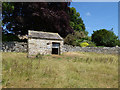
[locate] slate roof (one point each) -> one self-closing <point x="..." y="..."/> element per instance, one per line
<point x="44" y="35"/>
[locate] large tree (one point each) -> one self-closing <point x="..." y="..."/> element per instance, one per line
<point x="104" y="37"/>
<point x="19" y="17"/>
<point x="76" y="21"/>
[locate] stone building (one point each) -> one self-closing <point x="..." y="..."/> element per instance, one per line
<point x="44" y="43"/>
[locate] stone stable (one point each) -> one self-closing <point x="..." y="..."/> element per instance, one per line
<point x="44" y="43"/>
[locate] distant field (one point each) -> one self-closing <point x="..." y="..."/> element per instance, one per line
<point x="70" y="70"/>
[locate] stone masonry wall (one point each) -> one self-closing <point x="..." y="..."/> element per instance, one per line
<point x="14" y="47"/>
<point x="23" y="47"/>
<point x="105" y="50"/>
<point x="41" y="46"/>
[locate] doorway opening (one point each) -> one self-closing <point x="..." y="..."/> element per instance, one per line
<point x="56" y="48"/>
<point x="55" y="51"/>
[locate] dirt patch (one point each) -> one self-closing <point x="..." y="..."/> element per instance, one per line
<point x="56" y="56"/>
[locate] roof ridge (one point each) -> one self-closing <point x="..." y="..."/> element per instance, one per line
<point x="43" y="32"/>
<point x="44" y="35"/>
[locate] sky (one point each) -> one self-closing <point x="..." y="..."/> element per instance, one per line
<point x="98" y="15"/>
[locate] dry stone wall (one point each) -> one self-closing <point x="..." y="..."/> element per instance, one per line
<point x="14" y="47"/>
<point x="23" y="47"/>
<point x="106" y="50"/>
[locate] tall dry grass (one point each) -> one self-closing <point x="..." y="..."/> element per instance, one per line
<point x="69" y="70"/>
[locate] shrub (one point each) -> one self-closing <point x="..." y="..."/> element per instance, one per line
<point x="40" y="56"/>
<point x="69" y="39"/>
<point x="78" y="37"/>
<point x="104" y="37"/>
<point x="91" y="44"/>
<point x="118" y="43"/>
<point x="84" y="44"/>
<point x="75" y="39"/>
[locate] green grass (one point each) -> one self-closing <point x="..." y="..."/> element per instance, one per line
<point x="69" y="70"/>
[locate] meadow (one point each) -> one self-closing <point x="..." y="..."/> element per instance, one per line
<point x="69" y="70"/>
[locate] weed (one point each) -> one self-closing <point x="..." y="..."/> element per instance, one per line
<point x="40" y="56"/>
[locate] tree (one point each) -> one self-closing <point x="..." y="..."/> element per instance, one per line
<point x="76" y="21"/>
<point x="9" y="37"/>
<point x="19" y="17"/>
<point x="75" y="38"/>
<point x="104" y="37"/>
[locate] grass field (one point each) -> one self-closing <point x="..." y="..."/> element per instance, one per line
<point x="70" y="70"/>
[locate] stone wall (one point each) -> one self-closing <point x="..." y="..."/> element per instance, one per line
<point x="23" y="47"/>
<point x="42" y="46"/>
<point x="106" y="50"/>
<point x="14" y="47"/>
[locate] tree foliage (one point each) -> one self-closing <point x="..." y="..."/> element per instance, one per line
<point x="75" y="38"/>
<point x="9" y="37"/>
<point x="104" y="37"/>
<point x="76" y="21"/>
<point x="118" y="43"/>
<point x="19" y="17"/>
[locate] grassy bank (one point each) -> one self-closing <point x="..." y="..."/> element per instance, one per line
<point x="70" y="70"/>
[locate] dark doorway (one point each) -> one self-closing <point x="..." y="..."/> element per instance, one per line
<point x="55" y="51"/>
<point x="55" y="48"/>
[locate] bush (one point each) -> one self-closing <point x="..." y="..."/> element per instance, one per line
<point x="40" y="56"/>
<point x="75" y="39"/>
<point x="104" y="37"/>
<point x="118" y="43"/>
<point x="91" y="44"/>
<point x="69" y="39"/>
<point x="84" y="44"/>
